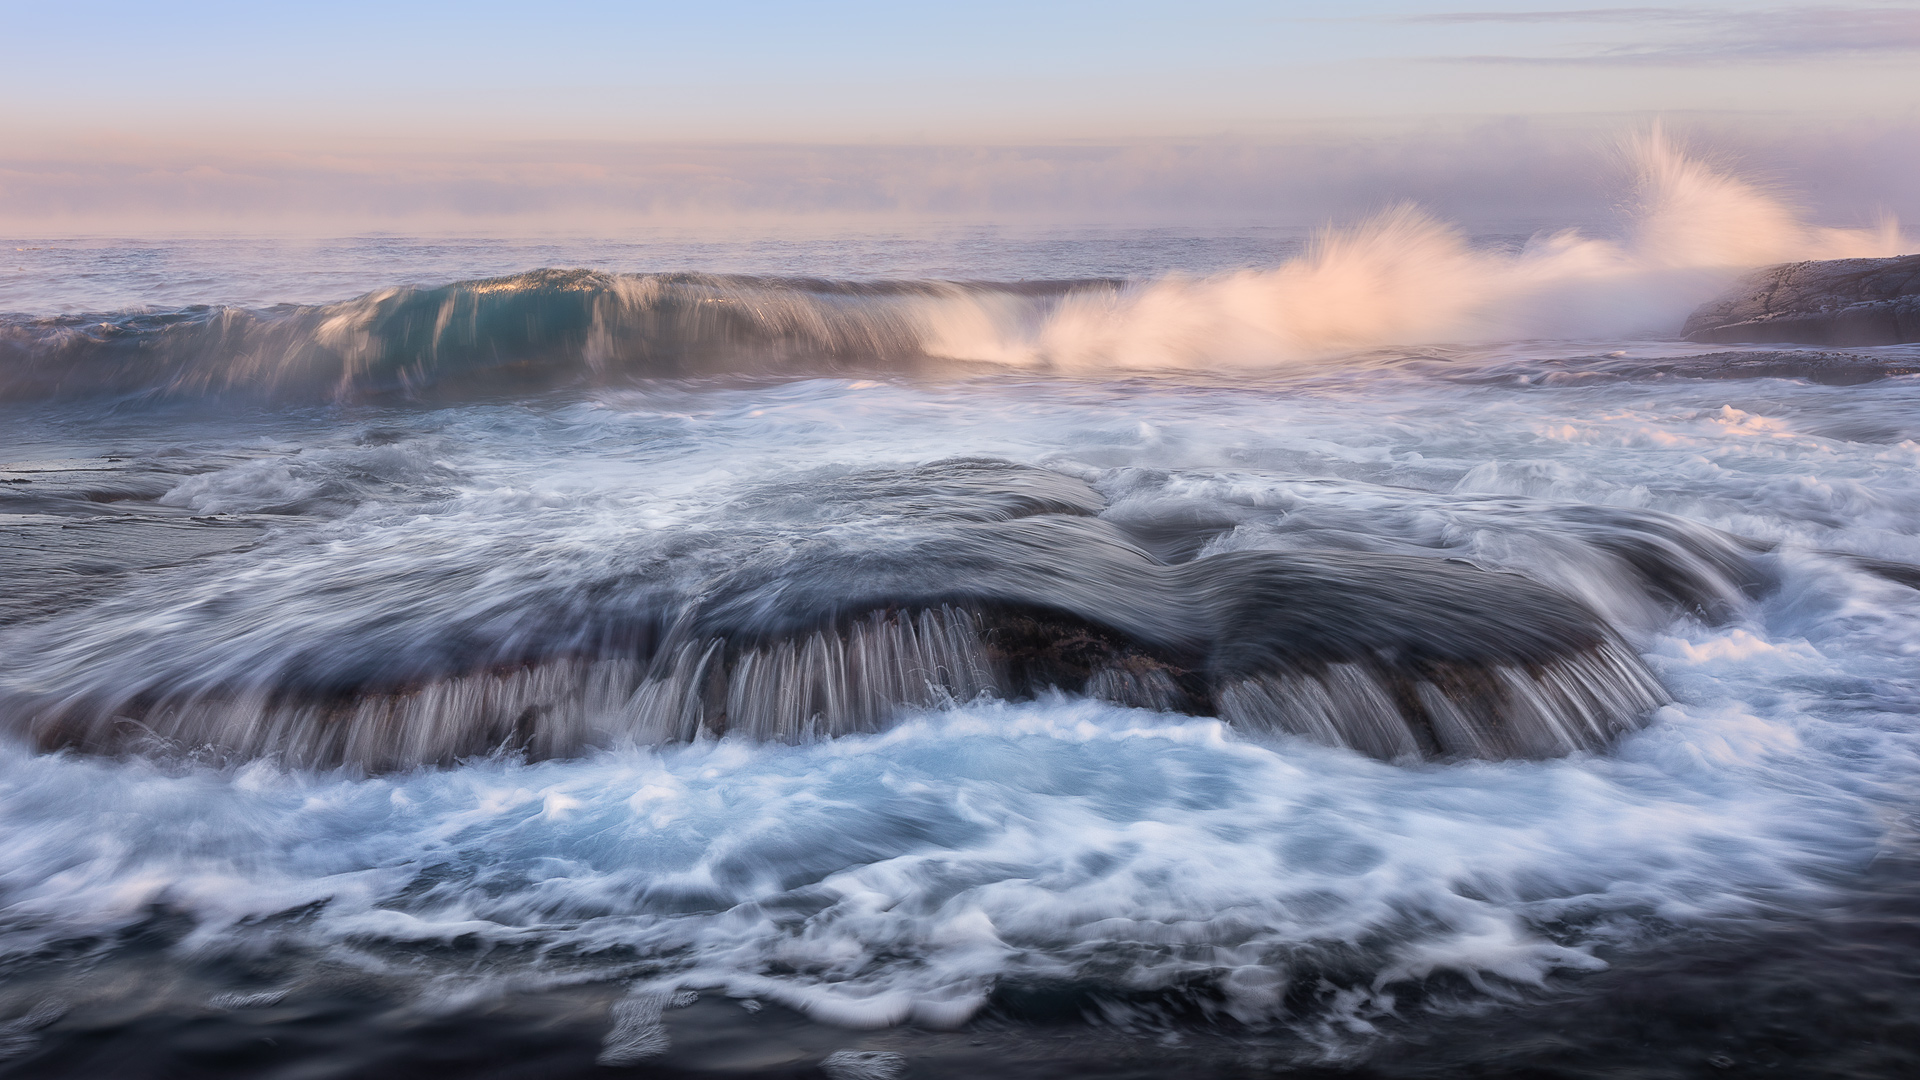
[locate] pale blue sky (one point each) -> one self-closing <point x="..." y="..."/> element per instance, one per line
<point x="985" y="70"/>
<point x="574" y="113"/>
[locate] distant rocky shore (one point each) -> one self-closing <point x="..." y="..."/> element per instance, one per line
<point x="1837" y="302"/>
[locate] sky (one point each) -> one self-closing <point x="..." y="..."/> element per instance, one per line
<point x="210" y="116"/>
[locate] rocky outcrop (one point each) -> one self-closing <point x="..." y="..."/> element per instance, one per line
<point x="1838" y="302"/>
<point x="927" y="586"/>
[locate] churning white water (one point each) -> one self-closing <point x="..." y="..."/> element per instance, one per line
<point x="911" y="873"/>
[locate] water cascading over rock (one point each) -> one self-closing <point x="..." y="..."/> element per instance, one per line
<point x="964" y="579"/>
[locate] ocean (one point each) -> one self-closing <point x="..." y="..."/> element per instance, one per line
<point x="1386" y="652"/>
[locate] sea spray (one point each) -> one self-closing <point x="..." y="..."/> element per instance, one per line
<point x="1400" y="279"/>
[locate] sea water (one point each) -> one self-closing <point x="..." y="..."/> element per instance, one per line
<point x="351" y="461"/>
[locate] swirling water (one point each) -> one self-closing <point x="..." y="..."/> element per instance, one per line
<point x="1035" y="883"/>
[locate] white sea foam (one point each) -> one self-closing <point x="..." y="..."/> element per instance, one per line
<point x="880" y="879"/>
<point x="1405" y="278"/>
<point x="905" y="875"/>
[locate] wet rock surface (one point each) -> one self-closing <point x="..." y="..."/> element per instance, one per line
<point x="857" y="598"/>
<point x="1845" y="302"/>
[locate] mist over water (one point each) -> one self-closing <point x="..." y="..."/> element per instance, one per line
<point x="1400" y="279"/>
<point x="1405" y="278"/>
<point x="1360" y="658"/>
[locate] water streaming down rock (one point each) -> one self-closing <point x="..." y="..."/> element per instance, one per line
<point x="820" y="685"/>
<point x="573" y="570"/>
<point x="828" y="682"/>
<point x="963" y="579"/>
<point x="857" y="680"/>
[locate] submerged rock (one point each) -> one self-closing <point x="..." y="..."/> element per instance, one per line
<point x="906" y="590"/>
<point x="1836" y="302"/>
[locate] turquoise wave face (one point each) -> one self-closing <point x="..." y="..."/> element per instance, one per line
<point x="545" y="329"/>
<point x="1085" y="853"/>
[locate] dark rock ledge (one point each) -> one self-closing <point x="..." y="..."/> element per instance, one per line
<point x="1838" y="302"/>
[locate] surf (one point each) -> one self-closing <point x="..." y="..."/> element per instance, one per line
<point x="1402" y="279"/>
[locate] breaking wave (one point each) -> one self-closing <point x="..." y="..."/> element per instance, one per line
<point x="1402" y="278"/>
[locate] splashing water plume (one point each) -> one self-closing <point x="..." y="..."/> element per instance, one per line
<point x="1402" y="279"/>
<point x="762" y="676"/>
<point x="1405" y="278"/>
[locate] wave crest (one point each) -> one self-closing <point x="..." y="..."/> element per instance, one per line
<point x="1402" y="278"/>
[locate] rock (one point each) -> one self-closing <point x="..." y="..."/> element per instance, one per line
<point x="1837" y="302"/>
<point x="836" y="603"/>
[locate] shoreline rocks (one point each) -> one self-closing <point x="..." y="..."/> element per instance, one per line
<point x="1848" y="302"/>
